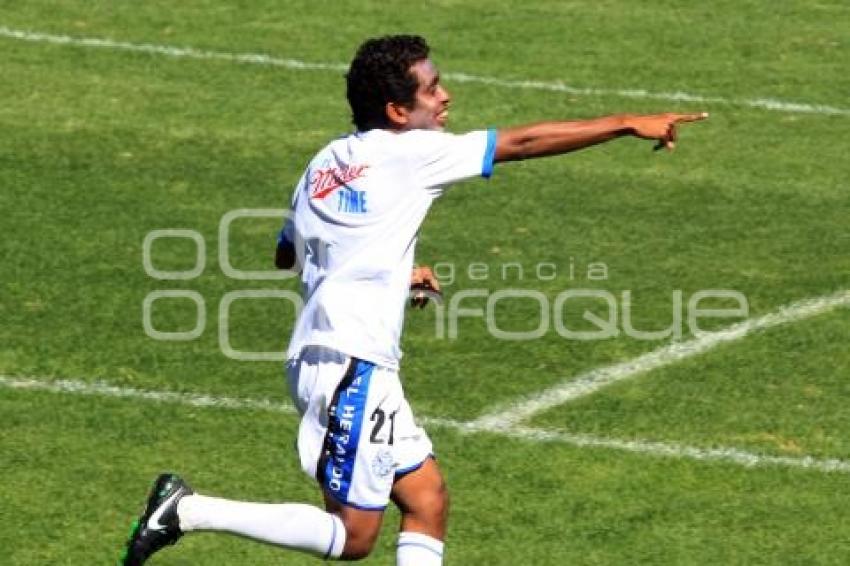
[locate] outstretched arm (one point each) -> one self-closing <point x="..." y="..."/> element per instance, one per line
<point x="554" y="138"/>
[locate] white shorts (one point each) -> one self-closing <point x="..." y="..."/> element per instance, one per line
<point x="357" y="433"/>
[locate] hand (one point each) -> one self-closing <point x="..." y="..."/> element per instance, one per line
<point x="424" y="285"/>
<point x="661" y="127"/>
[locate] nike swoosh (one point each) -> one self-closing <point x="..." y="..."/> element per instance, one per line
<point x="153" y="522"/>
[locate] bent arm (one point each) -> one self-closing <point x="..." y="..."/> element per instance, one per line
<point x="554" y="138"/>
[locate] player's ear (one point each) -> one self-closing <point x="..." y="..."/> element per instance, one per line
<point x="397" y="114"/>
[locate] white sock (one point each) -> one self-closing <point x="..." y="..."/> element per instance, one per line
<point x="291" y="525"/>
<point x="416" y="549"/>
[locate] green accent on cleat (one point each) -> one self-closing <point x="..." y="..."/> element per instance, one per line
<point x="133" y="528"/>
<point x="148" y="536"/>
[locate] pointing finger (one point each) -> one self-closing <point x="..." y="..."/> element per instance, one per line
<point x="696" y="117"/>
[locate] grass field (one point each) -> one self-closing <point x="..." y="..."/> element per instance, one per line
<point x="736" y="454"/>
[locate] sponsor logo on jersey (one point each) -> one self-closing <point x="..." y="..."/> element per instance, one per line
<point x="327" y="180"/>
<point x="349" y="200"/>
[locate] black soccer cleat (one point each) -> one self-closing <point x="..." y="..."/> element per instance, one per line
<point x="158" y="526"/>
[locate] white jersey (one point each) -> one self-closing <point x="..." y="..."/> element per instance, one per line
<point x="356" y="213"/>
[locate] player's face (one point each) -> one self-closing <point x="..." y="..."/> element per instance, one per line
<point x="431" y="105"/>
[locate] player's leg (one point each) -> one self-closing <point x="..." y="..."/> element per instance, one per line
<point x="419" y="492"/>
<point x="294" y="526"/>
<point x="423" y="500"/>
<point x="355" y="461"/>
<point x="362" y="527"/>
<point x="373" y="451"/>
<point x="174" y="509"/>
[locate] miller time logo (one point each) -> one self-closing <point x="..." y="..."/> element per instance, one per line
<point x="337" y="180"/>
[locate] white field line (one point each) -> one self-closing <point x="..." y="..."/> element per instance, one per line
<point x="527" y="434"/>
<point x="102" y="389"/>
<point x="510" y="415"/>
<point x="170" y="51"/>
<point x="552" y="86"/>
<point x="716" y="454"/>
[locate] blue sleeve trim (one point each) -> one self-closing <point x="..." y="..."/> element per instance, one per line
<point x="489" y="154"/>
<point x="281" y="237"/>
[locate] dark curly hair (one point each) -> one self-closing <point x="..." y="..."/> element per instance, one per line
<point x="380" y="73"/>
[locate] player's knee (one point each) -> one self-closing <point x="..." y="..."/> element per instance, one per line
<point x="440" y="502"/>
<point x="431" y="506"/>
<point x="359" y="542"/>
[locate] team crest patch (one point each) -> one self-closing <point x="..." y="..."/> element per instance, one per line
<point x="382" y="465"/>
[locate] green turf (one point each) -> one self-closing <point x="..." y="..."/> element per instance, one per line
<point x="782" y="391"/>
<point x="102" y="146"/>
<point x="79" y="476"/>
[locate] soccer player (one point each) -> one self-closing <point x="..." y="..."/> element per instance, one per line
<point x="355" y="216"/>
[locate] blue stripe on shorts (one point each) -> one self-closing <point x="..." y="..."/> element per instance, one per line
<point x="344" y="427"/>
